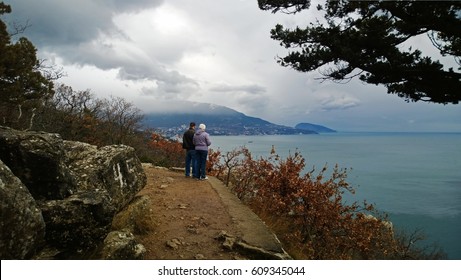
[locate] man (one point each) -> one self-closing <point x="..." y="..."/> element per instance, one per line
<point x="201" y="142"/>
<point x="187" y="143"/>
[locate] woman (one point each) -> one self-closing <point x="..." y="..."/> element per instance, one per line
<point x="201" y="141"/>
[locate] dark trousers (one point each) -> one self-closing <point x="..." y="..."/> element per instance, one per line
<point x="201" y="157"/>
<point x="190" y="162"/>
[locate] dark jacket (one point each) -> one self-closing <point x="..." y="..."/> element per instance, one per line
<point x="187" y="139"/>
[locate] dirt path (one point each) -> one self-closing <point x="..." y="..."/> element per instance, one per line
<point x="187" y="217"/>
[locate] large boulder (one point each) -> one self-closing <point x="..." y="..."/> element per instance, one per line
<point x="38" y="160"/>
<point x="22" y="228"/>
<point x="115" y="169"/>
<point x="80" y="222"/>
<point x="78" y="187"/>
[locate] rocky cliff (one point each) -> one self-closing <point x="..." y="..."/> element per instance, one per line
<point x="58" y="198"/>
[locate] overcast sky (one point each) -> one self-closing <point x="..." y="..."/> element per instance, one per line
<point x="157" y="54"/>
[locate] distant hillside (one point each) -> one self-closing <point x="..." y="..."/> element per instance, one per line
<point x="314" y="127"/>
<point x="219" y="121"/>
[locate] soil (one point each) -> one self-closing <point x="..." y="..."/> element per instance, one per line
<point x="187" y="216"/>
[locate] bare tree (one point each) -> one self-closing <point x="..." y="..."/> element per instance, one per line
<point x="121" y="119"/>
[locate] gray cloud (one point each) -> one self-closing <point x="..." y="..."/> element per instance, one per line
<point x="83" y="32"/>
<point x="207" y="51"/>
<point x="250" y="98"/>
<point x="339" y="103"/>
<point x="56" y="23"/>
<point x="252" y="89"/>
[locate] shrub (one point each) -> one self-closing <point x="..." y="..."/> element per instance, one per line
<point x="306" y="209"/>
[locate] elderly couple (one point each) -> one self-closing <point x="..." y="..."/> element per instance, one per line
<point x="196" y="144"/>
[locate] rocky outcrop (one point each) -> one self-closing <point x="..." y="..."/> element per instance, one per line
<point x="22" y="229"/>
<point x="114" y="169"/>
<point x="122" y="245"/>
<point x="76" y="189"/>
<point x="37" y="158"/>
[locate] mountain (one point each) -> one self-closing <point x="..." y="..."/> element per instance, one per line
<point x="314" y="127"/>
<point x="219" y="120"/>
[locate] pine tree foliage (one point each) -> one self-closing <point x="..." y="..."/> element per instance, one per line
<point x="22" y="85"/>
<point x="369" y="40"/>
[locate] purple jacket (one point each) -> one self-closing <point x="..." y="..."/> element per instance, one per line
<point x="201" y="140"/>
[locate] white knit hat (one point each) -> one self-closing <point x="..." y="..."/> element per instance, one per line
<point x="202" y="126"/>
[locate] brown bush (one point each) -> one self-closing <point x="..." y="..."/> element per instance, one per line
<point x="306" y="209"/>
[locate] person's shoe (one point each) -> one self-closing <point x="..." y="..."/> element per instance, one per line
<point x="204" y="178"/>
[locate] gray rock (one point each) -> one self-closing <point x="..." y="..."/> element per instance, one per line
<point x="78" y="189"/>
<point x="38" y="160"/>
<point x="115" y="169"/>
<point x="174" y="243"/>
<point x="121" y="245"/>
<point x="79" y="222"/>
<point x="22" y="228"/>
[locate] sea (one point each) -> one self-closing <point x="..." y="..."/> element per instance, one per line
<point x="413" y="177"/>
